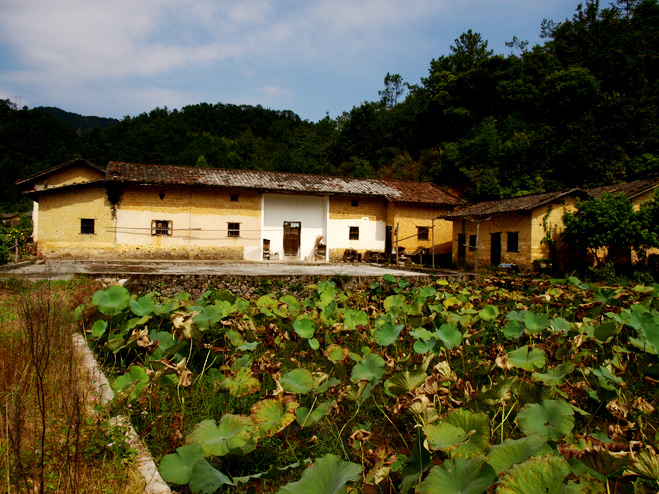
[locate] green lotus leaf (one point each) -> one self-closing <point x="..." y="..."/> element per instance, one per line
<point x="234" y="434"/>
<point x="235" y="338"/>
<point x="544" y="475"/>
<point x="143" y="306"/>
<point x="293" y="305"/>
<point x="135" y="380"/>
<point x="458" y="476"/>
<point x="476" y="425"/>
<point x="421" y="334"/>
<point x="489" y="313"/>
<point x="166" y="308"/>
<point x="604" y="461"/>
<point x="99" y="328"/>
<point x="321" y="388"/>
<point x="306" y="417"/>
<point x="328" y="475"/>
<point x="242" y="384"/>
<point x="209" y="315"/>
<point x="353" y="318"/>
<point x="269" y="306"/>
<point x="444" y="436"/>
<point x="604" y="332"/>
<point x="651" y="333"/>
<point x="552" y="419"/>
<point x="513" y="329"/>
<point x="535" y="323"/>
<point x="424" y="346"/>
<point x="427" y="291"/>
<point x="646" y="465"/>
<point x="527" y="358"/>
<point x="303" y="326"/>
<point x="299" y="381"/>
<point x="560" y="325"/>
<point x="514" y="451"/>
<point x="555" y="376"/>
<point x="207" y="479"/>
<point x="394" y="303"/>
<point x="607" y="379"/>
<point x="177" y="467"/>
<point x="450" y="335"/>
<point x="403" y="382"/>
<point x="112" y="300"/>
<point x="272" y="415"/>
<point x="387" y="333"/>
<point x="372" y="367"/>
<point x="336" y="353"/>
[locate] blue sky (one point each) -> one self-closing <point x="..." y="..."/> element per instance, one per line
<point x="125" y="57"/>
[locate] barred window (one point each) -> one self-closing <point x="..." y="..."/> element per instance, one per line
<point x="87" y="226"/>
<point x="234" y="197"/>
<point x="161" y="227"/>
<point x="233" y="230"/>
<point x="355" y="203"/>
<point x="422" y="232"/>
<point x="354" y="233"/>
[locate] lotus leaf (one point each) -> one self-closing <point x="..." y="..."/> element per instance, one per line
<point x="303" y="326"/>
<point x="476" y="425"/>
<point x="403" y="382"/>
<point x="299" y="381"/>
<point x="450" y="335"/>
<point x="336" y="353"/>
<point x="207" y="479"/>
<point x="243" y="384"/>
<point x="184" y="326"/>
<point x="555" y="376"/>
<point x="112" y="300"/>
<point x="208" y="316"/>
<point x="293" y="306"/>
<point x="328" y="475"/>
<point x="234" y="434"/>
<point x="458" y="476"/>
<point x="514" y="451"/>
<point x="646" y="465"/>
<point x="543" y="475"/>
<point x="99" y="328"/>
<point x="535" y="323"/>
<point x="272" y="415"/>
<point x="552" y="419"/>
<point x="424" y="346"/>
<point x="444" y="436"/>
<point x="489" y="313"/>
<point x="513" y="329"/>
<point x="353" y="318"/>
<point x="603" y="461"/>
<point x="177" y="467"/>
<point x="387" y="333"/>
<point x="135" y="380"/>
<point x="268" y="306"/>
<point x="306" y="417"/>
<point x="527" y="358"/>
<point x="143" y="306"/>
<point x="651" y="333"/>
<point x="395" y="303"/>
<point x="372" y="367"/>
<point x="560" y="325"/>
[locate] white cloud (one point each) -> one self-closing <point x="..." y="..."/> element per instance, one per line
<point x="274" y="91"/>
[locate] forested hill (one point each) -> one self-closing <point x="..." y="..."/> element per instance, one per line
<point x="582" y="109"/>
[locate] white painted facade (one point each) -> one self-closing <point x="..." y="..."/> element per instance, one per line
<point x="371" y="234"/>
<point x="312" y="212"/>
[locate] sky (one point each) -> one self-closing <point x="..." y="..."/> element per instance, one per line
<point x="116" y="58"/>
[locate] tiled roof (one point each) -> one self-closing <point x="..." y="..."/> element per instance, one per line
<point x="400" y="191"/>
<point x="630" y="189"/>
<point x="512" y="205"/>
<point x="57" y="167"/>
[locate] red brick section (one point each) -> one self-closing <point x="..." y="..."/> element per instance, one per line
<point x="394" y="190"/>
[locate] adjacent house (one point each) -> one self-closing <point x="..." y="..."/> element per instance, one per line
<point x="133" y="210"/>
<point x="515" y="231"/>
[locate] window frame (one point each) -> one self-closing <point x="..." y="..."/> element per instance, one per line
<point x="84" y="228"/>
<point x="353" y="233"/>
<point x="162" y="228"/>
<point x="354" y="203"/>
<point x="509" y="236"/>
<point x="423" y="233"/>
<point x="234" y="197"/>
<point x="233" y="229"/>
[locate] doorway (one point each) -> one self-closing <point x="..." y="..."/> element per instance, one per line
<point x="462" y="249"/>
<point x="292" y="238"/>
<point x="495" y="249"/>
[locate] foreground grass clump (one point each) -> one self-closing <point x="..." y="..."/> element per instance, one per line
<point x="54" y="437"/>
<point x="503" y="385"/>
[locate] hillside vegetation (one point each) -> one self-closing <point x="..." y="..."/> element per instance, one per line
<point x="579" y="110"/>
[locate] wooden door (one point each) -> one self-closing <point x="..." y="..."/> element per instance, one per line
<point x="495" y="249"/>
<point x="292" y="238"/>
<point x="462" y="249"/>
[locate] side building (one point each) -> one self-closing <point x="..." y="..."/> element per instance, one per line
<point x="142" y="211"/>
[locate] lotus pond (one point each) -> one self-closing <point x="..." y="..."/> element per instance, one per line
<point x="507" y="385"/>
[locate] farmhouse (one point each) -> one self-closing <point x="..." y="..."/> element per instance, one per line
<point x="510" y="231"/>
<point x="129" y="210"/>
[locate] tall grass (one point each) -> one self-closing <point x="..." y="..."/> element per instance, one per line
<point x="54" y="438"/>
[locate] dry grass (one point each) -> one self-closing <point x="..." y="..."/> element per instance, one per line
<point x="53" y="436"/>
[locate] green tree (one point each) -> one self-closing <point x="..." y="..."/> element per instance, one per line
<point x="394" y="88"/>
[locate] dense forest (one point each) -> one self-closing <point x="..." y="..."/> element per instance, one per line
<point x="581" y="109"/>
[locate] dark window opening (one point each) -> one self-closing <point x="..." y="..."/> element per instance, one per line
<point x="233" y="230"/>
<point x="513" y="242"/>
<point x="472" y="242"/>
<point x="234" y="197"/>
<point x="87" y="226"/>
<point x="161" y="227"/>
<point x="354" y="233"/>
<point x="355" y="203"/>
<point x="422" y="232"/>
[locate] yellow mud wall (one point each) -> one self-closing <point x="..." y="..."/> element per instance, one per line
<point x="68" y="176"/>
<point x="409" y="216"/>
<point x="59" y="225"/>
<point x="199" y="218"/>
<point x="369" y="215"/>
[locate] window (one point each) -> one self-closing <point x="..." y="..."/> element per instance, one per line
<point x="234" y="197"/>
<point x="355" y="203"/>
<point x="472" y="242"/>
<point x="513" y="242"/>
<point x="354" y="233"/>
<point x="161" y="227"/>
<point x="422" y="232"/>
<point x="233" y="230"/>
<point x="87" y="226"/>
